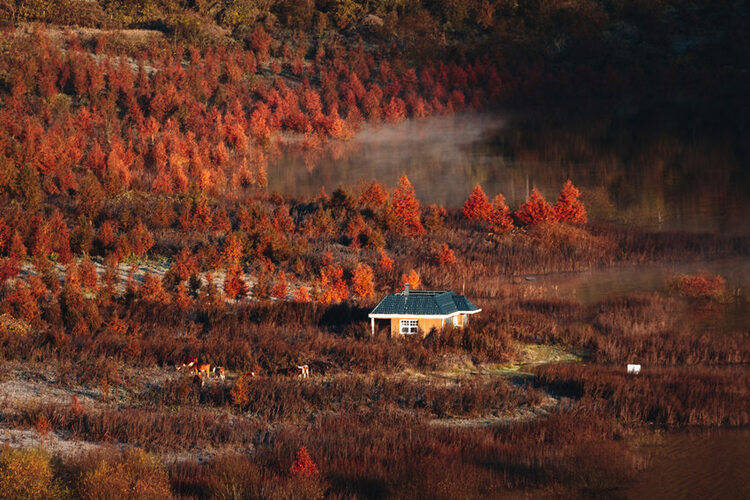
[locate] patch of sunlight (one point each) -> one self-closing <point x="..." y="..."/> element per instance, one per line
<point x="534" y="354"/>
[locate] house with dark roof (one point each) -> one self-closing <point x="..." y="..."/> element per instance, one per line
<point x="413" y="312"/>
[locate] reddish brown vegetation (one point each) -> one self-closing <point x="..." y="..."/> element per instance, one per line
<point x="123" y="151"/>
<point x="674" y="397"/>
<point x="700" y="286"/>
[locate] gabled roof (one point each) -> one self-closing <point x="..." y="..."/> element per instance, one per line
<point x="423" y="303"/>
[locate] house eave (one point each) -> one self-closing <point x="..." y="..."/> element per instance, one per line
<point x="417" y="316"/>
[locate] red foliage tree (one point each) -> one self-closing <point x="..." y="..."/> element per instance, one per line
<point x="395" y="110"/>
<point x="280" y="287"/>
<point x="477" y="207"/>
<point x="536" y="210"/>
<point x="89" y="276"/>
<point x="140" y="239"/>
<point x="152" y="290"/>
<point x="569" y="207"/>
<point x="108" y="233"/>
<point x="17" y="248"/>
<point x="234" y="284"/>
<point x="374" y="197"/>
<point x="303" y="467"/>
<point x="42" y="242"/>
<point x="234" y="251"/>
<point x="61" y="238"/>
<point x="406" y="207"/>
<point x="185" y="265"/>
<point x="500" y="219"/>
<point x="260" y="41"/>
<point x="9" y="268"/>
<point x="182" y="298"/>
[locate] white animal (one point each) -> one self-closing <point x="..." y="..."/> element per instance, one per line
<point x="634" y="369"/>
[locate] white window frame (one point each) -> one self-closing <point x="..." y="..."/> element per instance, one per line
<point x="456" y="318"/>
<point x="408" y="326"/>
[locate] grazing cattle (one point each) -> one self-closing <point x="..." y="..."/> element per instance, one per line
<point x="304" y="371"/>
<point x="188" y="363"/>
<point x="219" y="371"/>
<point x="202" y="369"/>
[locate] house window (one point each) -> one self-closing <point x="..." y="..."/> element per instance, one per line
<point x="457" y="320"/>
<point x="408" y="326"/>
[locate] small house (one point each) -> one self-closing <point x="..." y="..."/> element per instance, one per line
<point x="413" y="312"/>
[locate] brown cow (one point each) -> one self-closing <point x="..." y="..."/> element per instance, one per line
<point x="202" y="369"/>
<point x="188" y="363"/>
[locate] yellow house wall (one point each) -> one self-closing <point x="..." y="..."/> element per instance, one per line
<point x="394" y="327"/>
<point x="425" y="325"/>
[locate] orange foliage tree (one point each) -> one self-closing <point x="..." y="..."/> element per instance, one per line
<point x="363" y="281"/>
<point x="412" y="279"/>
<point x="435" y="218"/>
<point x="332" y="286"/>
<point x="446" y="256"/>
<point x="140" y="239"/>
<point x="301" y="295"/>
<point x="280" y="287"/>
<point x="234" y="284"/>
<point x="500" y="219"/>
<point x="233" y="251"/>
<point x="477" y="207"/>
<point x="406" y="207"/>
<point x="374" y="197"/>
<point x="385" y="262"/>
<point x="536" y="210"/>
<point x="151" y="290"/>
<point x="569" y="207"/>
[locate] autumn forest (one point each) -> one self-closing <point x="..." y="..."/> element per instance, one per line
<point x="158" y="299"/>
